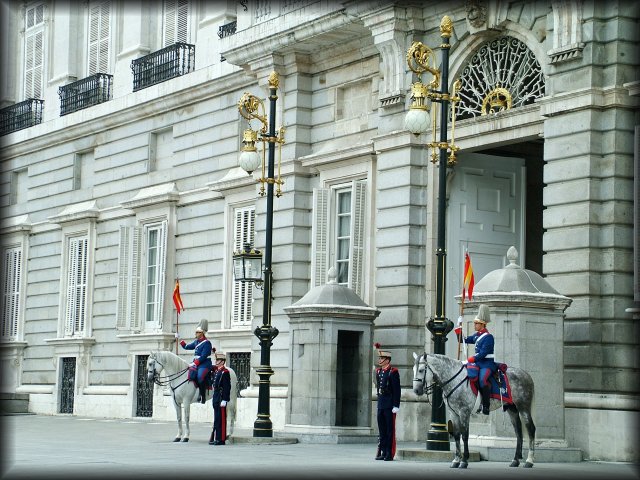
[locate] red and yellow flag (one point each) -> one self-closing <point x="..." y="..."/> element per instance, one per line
<point x="177" y="301"/>
<point x="468" y="281"/>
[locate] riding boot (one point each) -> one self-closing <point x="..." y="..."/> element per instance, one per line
<point x="203" y="395"/>
<point x="486" y="391"/>
<point x="211" y="438"/>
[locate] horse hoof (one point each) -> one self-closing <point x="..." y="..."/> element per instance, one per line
<point x="454" y="464"/>
<point x="185" y="439"/>
<point x="515" y="463"/>
<point x="527" y="465"/>
<point x="177" y="439"/>
<point x="463" y="465"/>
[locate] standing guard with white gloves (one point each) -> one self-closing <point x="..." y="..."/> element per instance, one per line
<point x="388" y="390"/>
<point x="221" y="384"/>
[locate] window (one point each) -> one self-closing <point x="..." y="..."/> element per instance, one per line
<point x="243" y="291"/>
<point x="34" y="51"/>
<point x="76" y="295"/>
<point x="141" y="276"/>
<point x="99" y="33"/>
<point x="155" y="246"/>
<point x="175" y="22"/>
<point x="11" y="281"/>
<point x="338" y="234"/>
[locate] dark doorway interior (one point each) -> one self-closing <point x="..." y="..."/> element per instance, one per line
<point x="347" y="368"/>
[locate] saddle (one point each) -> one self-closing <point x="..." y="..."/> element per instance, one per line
<point x="500" y="387"/>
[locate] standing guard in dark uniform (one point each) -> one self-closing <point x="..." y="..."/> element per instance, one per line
<point x="388" y="391"/>
<point x="221" y="384"/>
<point x="483" y="357"/>
<point x="200" y="367"/>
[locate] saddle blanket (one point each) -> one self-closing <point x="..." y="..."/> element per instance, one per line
<point x="502" y="389"/>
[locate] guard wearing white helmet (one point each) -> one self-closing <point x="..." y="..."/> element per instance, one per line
<point x="483" y="356"/>
<point x="200" y="367"/>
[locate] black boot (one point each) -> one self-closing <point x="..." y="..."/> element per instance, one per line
<point x="211" y="439"/>
<point x="203" y="395"/>
<point x="486" y="391"/>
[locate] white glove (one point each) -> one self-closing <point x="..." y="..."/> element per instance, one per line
<point x="223" y="403"/>
<point x="460" y="320"/>
<point x="395" y="409"/>
<point x="177" y="335"/>
<point x="192" y="365"/>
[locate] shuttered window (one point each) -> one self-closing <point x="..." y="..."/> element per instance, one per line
<point x="76" y="295"/>
<point x="141" y="277"/>
<point x="11" y="280"/>
<point x="127" y="316"/>
<point x="155" y="254"/>
<point x="99" y="37"/>
<point x="34" y="51"/>
<point x="175" y="22"/>
<point x="243" y="291"/>
<point x="338" y="234"/>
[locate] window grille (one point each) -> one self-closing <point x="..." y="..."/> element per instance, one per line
<point x="157" y="67"/>
<point x="240" y="362"/>
<point x="21" y="115"/>
<point x="227" y="29"/>
<point x="503" y="74"/>
<point x="85" y="93"/>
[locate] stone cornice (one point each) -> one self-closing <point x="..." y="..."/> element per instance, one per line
<point x="362" y="152"/>
<point x="17" y="224"/>
<point x="602" y="98"/>
<point x="79" y="212"/>
<point x="158" y="194"/>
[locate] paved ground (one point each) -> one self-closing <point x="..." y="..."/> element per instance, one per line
<point x="69" y="447"/>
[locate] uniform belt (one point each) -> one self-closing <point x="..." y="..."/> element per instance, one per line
<point x="489" y="356"/>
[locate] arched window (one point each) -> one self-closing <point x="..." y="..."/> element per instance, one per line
<point x="503" y="74"/>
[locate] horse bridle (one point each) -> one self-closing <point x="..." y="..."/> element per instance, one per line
<point x="429" y="388"/>
<point x="164" y="380"/>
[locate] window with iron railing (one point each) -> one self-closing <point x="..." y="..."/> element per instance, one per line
<point x="85" y="93"/>
<point x="157" y="67"/>
<point x="227" y="29"/>
<point x="21" y="115"/>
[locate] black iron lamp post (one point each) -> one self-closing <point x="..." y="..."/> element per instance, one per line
<point x="417" y="122"/>
<point x="251" y="107"/>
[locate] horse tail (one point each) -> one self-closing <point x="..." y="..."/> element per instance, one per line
<point x="233" y="400"/>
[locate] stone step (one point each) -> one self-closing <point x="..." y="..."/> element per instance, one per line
<point x="542" y="455"/>
<point x="12" y="403"/>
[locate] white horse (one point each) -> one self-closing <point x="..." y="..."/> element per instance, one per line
<point x="183" y="392"/>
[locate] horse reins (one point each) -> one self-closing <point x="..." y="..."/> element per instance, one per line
<point x="165" y="380"/>
<point x="429" y="389"/>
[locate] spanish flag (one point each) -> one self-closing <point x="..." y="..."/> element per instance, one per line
<point x="177" y="301"/>
<point x="468" y="280"/>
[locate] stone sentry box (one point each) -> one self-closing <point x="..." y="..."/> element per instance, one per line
<point x="331" y="361"/>
<point x="527" y="317"/>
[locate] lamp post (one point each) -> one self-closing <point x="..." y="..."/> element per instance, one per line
<point x="251" y="107"/>
<point x="417" y="122"/>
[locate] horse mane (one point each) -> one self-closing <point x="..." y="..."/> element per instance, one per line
<point x="446" y="362"/>
<point x="170" y="360"/>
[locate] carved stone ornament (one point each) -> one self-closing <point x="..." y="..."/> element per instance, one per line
<point x="476" y="13"/>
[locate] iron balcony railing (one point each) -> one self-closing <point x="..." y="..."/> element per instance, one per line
<point x="21" y="115"/>
<point x="227" y="29"/>
<point x="85" y="93"/>
<point x="157" y="67"/>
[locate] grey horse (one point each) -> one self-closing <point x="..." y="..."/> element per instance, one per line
<point x="451" y="376"/>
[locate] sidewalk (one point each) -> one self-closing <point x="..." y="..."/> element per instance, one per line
<point x="69" y="447"/>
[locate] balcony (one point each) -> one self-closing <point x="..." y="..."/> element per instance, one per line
<point x="157" y="67"/>
<point x="21" y="115"/>
<point x="85" y="93"/>
<point x="227" y="29"/>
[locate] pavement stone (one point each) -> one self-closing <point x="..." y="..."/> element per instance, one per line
<point x="70" y="447"/>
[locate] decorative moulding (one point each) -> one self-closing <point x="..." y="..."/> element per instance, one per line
<point x="78" y="212"/>
<point x="163" y="193"/>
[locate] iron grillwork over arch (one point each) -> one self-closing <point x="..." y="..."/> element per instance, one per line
<point x="144" y="388"/>
<point x="157" y="67"/>
<point x="240" y="362"/>
<point x="85" y="93"/>
<point x="504" y="73"/>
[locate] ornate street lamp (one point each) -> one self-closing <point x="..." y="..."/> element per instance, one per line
<point x="252" y="108"/>
<point x="247" y="265"/>
<point x="417" y="122"/>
